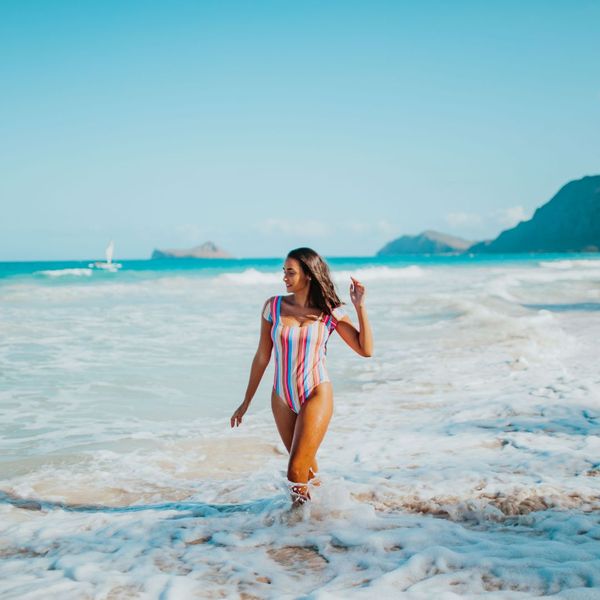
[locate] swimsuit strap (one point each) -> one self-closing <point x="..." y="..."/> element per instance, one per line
<point x="276" y="310"/>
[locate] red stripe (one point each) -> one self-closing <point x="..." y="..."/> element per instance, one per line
<point x="301" y="363"/>
<point x="284" y="364"/>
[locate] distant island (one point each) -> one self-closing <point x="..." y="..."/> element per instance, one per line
<point x="568" y="222"/>
<point x="206" y="250"/>
<point x="428" y="242"/>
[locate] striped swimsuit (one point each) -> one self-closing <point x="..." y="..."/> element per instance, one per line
<point x="299" y="353"/>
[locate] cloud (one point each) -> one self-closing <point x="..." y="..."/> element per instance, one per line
<point x="359" y="227"/>
<point x="369" y="228"/>
<point x="464" y="219"/>
<point x="386" y="228"/>
<point x="476" y="224"/>
<point x="353" y="232"/>
<point x="509" y="217"/>
<point x="301" y="227"/>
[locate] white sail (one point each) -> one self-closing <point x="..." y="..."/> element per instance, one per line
<point x="109" y="265"/>
<point x="109" y="251"/>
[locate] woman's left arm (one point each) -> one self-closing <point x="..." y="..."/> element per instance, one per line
<point x="361" y="340"/>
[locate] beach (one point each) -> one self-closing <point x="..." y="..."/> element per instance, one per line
<point x="462" y="460"/>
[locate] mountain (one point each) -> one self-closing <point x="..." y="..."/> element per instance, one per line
<point x="428" y="242"/>
<point x="568" y="222"/>
<point x="206" y="250"/>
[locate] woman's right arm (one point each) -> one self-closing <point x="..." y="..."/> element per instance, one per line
<point x="259" y="364"/>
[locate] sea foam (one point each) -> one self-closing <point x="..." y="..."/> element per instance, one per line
<point x="461" y="460"/>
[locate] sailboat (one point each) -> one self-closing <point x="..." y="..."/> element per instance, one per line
<point x="109" y="265"/>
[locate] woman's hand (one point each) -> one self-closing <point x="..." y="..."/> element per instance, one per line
<point x="357" y="292"/>
<point x="236" y="418"/>
<point x="361" y="339"/>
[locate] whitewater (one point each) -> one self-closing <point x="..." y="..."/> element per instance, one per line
<point x="462" y="459"/>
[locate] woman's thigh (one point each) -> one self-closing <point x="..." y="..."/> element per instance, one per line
<point x="311" y="423"/>
<point x="285" y="419"/>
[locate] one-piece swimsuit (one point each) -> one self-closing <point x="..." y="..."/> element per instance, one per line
<point x="299" y="353"/>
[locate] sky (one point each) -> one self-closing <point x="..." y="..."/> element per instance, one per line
<point x="264" y="126"/>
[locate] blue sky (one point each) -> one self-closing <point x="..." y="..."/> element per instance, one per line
<point x="266" y="125"/>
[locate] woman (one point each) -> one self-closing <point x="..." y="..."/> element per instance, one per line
<point x="297" y="327"/>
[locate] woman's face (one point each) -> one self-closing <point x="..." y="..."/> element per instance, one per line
<point x="293" y="275"/>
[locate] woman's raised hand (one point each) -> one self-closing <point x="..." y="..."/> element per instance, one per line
<point x="357" y="292"/>
<point x="236" y="418"/>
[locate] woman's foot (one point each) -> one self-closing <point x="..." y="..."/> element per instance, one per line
<point x="299" y="492"/>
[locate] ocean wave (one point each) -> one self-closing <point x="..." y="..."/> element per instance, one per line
<point x="250" y="277"/>
<point x="570" y="264"/>
<point x="253" y="276"/>
<point x="83" y="272"/>
<point x="381" y="273"/>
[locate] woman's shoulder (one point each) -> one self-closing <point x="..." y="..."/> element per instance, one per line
<point x="266" y="310"/>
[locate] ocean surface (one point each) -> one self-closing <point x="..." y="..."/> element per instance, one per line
<point x="462" y="460"/>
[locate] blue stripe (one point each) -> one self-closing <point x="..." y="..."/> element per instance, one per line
<point x="322" y="360"/>
<point x="306" y="366"/>
<point x="277" y="370"/>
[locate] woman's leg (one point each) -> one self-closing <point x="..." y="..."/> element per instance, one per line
<point x="309" y="430"/>
<point x="285" y="419"/>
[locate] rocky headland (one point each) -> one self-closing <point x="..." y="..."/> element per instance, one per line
<point x="568" y="222"/>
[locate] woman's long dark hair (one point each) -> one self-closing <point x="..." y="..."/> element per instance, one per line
<point x="322" y="293"/>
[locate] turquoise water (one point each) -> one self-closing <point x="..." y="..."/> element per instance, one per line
<point x="211" y="267"/>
